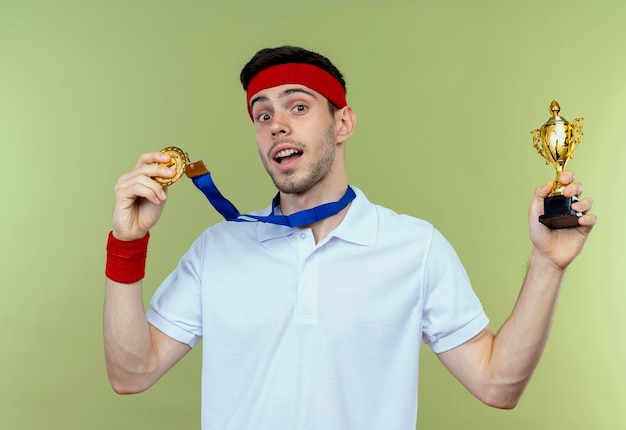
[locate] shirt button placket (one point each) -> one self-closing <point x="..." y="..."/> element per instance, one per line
<point x="307" y="289"/>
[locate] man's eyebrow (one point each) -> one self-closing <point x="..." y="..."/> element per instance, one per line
<point x="283" y="94"/>
<point x="257" y="99"/>
<point x="294" y="90"/>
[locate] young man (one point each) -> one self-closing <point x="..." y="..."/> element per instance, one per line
<point x="318" y="326"/>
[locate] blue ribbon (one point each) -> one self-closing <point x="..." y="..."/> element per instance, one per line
<point x="298" y="219"/>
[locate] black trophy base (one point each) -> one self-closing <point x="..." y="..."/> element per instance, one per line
<point x="558" y="212"/>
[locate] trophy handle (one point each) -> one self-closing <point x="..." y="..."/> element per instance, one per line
<point x="576" y="133"/>
<point x="537" y="144"/>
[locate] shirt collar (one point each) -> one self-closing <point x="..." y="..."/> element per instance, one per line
<point x="359" y="226"/>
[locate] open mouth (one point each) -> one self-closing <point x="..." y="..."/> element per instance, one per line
<point x="286" y="154"/>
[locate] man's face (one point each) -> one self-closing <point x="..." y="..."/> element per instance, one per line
<point x="296" y="136"/>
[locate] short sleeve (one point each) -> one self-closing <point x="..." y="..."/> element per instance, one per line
<point x="176" y="307"/>
<point x="452" y="313"/>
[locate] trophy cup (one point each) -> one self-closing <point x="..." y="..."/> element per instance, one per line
<point x="556" y="141"/>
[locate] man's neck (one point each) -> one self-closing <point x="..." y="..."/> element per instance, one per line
<point x="292" y="203"/>
<point x="322" y="228"/>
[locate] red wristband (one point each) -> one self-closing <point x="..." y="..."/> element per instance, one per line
<point x="126" y="260"/>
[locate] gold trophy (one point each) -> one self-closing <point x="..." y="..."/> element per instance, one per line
<point x="556" y="141"/>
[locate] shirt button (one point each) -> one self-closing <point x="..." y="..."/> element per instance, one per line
<point x="302" y="236"/>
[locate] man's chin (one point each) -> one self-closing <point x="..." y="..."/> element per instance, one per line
<point x="289" y="187"/>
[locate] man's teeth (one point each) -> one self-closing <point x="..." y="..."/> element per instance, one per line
<point x="286" y="153"/>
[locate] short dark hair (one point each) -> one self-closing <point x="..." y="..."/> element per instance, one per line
<point x="269" y="57"/>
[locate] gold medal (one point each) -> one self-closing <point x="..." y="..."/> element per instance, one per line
<point x="178" y="161"/>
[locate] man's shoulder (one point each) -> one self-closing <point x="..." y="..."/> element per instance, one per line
<point x="390" y="215"/>
<point x="225" y="230"/>
<point x="388" y="220"/>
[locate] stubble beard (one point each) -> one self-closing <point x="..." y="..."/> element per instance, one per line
<point x="291" y="183"/>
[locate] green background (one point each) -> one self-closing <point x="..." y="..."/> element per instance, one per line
<point x="446" y="93"/>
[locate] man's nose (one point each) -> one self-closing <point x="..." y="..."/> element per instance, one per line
<point x="280" y="124"/>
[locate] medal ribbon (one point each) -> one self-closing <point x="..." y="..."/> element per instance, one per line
<point x="205" y="184"/>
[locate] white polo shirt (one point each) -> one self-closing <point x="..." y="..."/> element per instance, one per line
<point x="304" y="336"/>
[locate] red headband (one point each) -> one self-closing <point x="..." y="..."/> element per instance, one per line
<point x="298" y="73"/>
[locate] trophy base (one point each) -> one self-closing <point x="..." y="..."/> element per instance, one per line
<point x="558" y="212"/>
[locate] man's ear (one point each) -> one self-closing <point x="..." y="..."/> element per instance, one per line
<point x="346" y="123"/>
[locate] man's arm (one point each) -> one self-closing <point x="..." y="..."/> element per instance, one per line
<point x="137" y="354"/>
<point x="497" y="368"/>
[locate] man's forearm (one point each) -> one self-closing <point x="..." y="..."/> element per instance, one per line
<point x="519" y="344"/>
<point x="127" y="342"/>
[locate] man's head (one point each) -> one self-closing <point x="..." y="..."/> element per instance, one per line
<point x="290" y="65"/>
<point x="297" y="102"/>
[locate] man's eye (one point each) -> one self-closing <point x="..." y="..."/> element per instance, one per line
<point x="264" y="117"/>
<point x="299" y="108"/>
